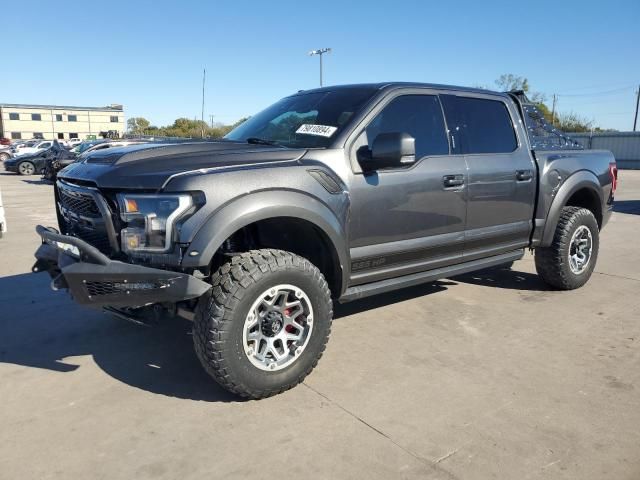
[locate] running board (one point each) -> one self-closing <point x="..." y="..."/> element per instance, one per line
<point x="382" y="286"/>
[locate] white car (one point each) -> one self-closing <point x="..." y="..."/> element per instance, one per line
<point x="3" y="220"/>
<point x="38" y="146"/>
<point x="72" y="142"/>
<point x="102" y="146"/>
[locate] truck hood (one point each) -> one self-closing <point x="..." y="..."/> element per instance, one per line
<point x="151" y="166"/>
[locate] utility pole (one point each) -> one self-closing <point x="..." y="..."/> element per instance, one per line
<point x="320" y="52"/>
<point x="211" y="119"/>
<point x="204" y="76"/>
<point x="635" y="119"/>
<point x="553" y="111"/>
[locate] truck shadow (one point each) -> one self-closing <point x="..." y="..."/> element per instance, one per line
<point x="507" y="278"/>
<point x="43" y="329"/>
<point x="631" y="207"/>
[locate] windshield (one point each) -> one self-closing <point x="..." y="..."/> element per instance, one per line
<point x="305" y="120"/>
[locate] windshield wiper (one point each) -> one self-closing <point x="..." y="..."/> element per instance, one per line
<point x="261" y="141"/>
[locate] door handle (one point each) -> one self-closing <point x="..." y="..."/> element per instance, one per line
<point x="524" y="175"/>
<point x="453" y="181"/>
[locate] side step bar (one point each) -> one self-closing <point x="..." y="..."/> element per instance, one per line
<point x="382" y="286"/>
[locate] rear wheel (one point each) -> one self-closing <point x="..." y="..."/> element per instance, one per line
<point x="265" y="323"/>
<point x="26" y="168"/>
<point x="3" y="156"/>
<point x="569" y="261"/>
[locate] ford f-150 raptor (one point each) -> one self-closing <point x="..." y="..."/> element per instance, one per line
<point x="329" y="194"/>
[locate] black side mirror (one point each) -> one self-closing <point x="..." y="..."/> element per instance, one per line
<point x="390" y="150"/>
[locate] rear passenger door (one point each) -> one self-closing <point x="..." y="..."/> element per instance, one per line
<point x="501" y="173"/>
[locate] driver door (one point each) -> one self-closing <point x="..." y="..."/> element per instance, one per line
<point x="410" y="218"/>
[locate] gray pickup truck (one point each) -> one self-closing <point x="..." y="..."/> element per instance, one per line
<point x="330" y="194"/>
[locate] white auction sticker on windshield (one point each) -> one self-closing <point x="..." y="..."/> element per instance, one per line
<point x="319" y="130"/>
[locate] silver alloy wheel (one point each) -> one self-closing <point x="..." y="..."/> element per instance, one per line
<point x="3" y="157"/>
<point x="26" y="168"/>
<point x="278" y="327"/>
<point x="580" y="249"/>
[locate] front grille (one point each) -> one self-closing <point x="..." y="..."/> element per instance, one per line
<point x="81" y="217"/>
<point x="79" y="203"/>
<point x="97" y="289"/>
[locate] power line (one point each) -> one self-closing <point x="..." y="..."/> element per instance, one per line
<point x="596" y="94"/>
<point x="605" y="85"/>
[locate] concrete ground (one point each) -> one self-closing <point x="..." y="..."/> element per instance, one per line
<point x="488" y="375"/>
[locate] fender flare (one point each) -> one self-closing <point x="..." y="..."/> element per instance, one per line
<point x="578" y="181"/>
<point x="261" y="206"/>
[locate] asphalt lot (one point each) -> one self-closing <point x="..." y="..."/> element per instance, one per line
<point x="488" y="375"/>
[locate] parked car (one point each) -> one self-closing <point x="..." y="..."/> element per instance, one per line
<point x="3" y="219"/>
<point x="6" y="152"/>
<point x="34" y="147"/>
<point x="72" y="142"/>
<point x="19" y="145"/>
<point x="31" y="164"/>
<point x="112" y="144"/>
<point x="331" y="194"/>
<point x="5" y="141"/>
<point x="87" y="144"/>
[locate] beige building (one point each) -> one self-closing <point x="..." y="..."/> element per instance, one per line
<point x="19" y="121"/>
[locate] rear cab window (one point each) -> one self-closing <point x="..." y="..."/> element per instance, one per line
<point x="479" y="125"/>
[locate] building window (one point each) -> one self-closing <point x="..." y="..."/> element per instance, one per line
<point x="73" y="135"/>
<point x="38" y="135"/>
<point x="61" y="136"/>
<point x="72" y="118"/>
<point x="114" y="119"/>
<point x="36" y="117"/>
<point x="16" y="135"/>
<point x="58" y="118"/>
<point x="14" y="116"/>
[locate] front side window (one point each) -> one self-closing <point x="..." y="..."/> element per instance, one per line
<point x="418" y="115"/>
<point x="72" y="118"/>
<point x="479" y="125"/>
<point x="36" y="117"/>
<point x="14" y="116"/>
<point x="305" y="120"/>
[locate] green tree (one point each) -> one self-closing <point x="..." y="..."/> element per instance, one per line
<point x="137" y="125"/>
<point x="567" y="122"/>
<point x="509" y="81"/>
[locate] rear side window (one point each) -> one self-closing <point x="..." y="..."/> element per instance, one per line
<point x="418" y="115"/>
<point x="478" y="125"/>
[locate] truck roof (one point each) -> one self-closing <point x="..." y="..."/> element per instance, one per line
<point x="389" y="85"/>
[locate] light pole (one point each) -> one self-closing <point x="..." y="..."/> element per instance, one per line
<point x="320" y="52"/>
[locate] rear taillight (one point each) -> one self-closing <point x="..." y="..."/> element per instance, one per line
<point x="613" y="172"/>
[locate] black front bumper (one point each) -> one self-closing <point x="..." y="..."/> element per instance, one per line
<point x="94" y="279"/>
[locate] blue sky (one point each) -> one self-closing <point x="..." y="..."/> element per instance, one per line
<point x="149" y="56"/>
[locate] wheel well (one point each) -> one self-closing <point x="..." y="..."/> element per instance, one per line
<point x="291" y="234"/>
<point x="587" y="198"/>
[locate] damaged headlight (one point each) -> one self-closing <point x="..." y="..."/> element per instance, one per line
<point x="150" y="220"/>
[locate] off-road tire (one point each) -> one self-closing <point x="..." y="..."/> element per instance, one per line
<point x="552" y="262"/>
<point x="220" y="316"/>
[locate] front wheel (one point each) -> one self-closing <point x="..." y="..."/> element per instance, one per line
<point x="265" y="324"/>
<point x="3" y="156"/>
<point x="569" y="261"/>
<point x="26" y="168"/>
